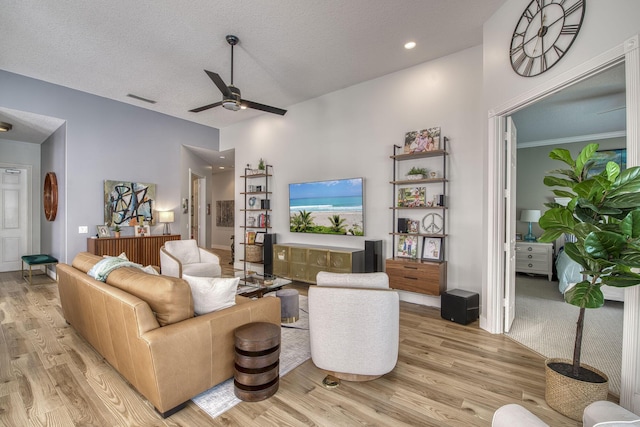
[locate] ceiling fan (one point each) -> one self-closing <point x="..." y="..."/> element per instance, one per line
<point x="231" y="99"/>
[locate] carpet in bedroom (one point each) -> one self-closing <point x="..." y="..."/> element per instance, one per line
<point x="294" y="350"/>
<point x="547" y="325"/>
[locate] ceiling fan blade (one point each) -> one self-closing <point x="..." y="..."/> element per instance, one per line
<point x="219" y="82"/>
<point x="205" y="107"/>
<point x="267" y="108"/>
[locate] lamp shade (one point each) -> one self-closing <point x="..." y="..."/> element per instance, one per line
<point x="530" y="215"/>
<point x="165" y="216"/>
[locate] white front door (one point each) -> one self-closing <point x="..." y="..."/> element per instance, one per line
<point x="14" y="217"/>
<point x="510" y="226"/>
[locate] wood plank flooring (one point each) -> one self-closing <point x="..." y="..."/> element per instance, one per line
<point x="447" y="375"/>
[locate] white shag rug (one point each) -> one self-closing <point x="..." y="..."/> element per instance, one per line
<point x="294" y="350"/>
<point x="547" y="325"/>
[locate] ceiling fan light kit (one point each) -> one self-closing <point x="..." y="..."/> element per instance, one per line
<point x="5" y="127"/>
<point x="231" y="98"/>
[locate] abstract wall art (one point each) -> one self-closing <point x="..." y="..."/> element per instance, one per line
<point x="128" y="203"/>
<point x="224" y="213"/>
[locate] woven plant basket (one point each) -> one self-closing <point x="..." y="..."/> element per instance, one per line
<point x="570" y="396"/>
<point x="254" y="253"/>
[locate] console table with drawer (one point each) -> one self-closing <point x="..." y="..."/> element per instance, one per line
<point x="534" y="258"/>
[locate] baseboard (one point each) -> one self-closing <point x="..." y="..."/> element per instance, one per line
<point x="222" y="247"/>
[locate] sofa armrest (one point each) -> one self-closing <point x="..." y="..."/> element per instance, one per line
<point x="192" y="356"/>
<point x="607" y="413"/>
<point x="169" y="265"/>
<point x="515" y="415"/>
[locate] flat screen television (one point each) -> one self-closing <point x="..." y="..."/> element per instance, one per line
<point x="327" y="207"/>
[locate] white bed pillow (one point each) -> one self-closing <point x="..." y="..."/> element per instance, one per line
<point x="212" y="293"/>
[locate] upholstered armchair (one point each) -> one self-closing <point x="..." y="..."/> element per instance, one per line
<point x="354" y="323"/>
<point x="178" y="257"/>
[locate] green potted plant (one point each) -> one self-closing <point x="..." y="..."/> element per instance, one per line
<point x="604" y="217"/>
<point x="417" y="173"/>
<point x="261" y="166"/>
<point x="116" y="231"/>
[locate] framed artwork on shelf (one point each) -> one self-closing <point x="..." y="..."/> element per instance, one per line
<point x="432" y="249"/>
<point x="260" y="237"/>
<point x="412" y="197"/>
<point x="142" y="230"/>
<point x="103" y="231"/>
<point x="413" y="226"/>
<point x="407" y="247"/>
<point x="421" y="141"/>
<point x="251" y="237"/>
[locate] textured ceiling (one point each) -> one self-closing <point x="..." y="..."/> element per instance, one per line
<point x="289" y="51"/>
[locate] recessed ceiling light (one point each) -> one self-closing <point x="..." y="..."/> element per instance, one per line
<point x="410" y="45"/>
<point x="222" y="157"/>
<point x="220" y="167"/>
<point x="5" y="127"/>
<point x="243" y="107"/>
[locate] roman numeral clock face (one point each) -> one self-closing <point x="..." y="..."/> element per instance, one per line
<point x="544" y="33"/>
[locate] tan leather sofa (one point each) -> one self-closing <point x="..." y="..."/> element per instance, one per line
<point x="144" y="326"/>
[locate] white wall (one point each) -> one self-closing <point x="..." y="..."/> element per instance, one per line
<point x="223" y="189"/>
<point x="350" y="133"/>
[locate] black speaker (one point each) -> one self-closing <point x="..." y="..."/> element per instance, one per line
<point x="372" y="256"/>
<point x="460" y="306"/>
<point x="267" y="254"/>
<point x="403" y="225"/>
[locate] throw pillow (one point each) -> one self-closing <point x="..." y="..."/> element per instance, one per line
<point x="150" y="270"/>
<point x="212" y="293"/>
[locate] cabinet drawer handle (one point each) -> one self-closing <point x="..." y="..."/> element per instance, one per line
<point x="529" y="248"/>
<point x="411" y="278"/>
<point x="530" y="256"/>
<point x="410" y="267"/>
<point x="530" y="265"/>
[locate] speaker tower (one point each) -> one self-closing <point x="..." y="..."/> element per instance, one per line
<point x="267" y="253"/>
<point x="372" y="256"/>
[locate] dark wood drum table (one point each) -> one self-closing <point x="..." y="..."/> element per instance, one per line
<point x="257" y="361"/>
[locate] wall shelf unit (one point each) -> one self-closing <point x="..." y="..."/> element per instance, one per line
<point x="257" y="214"/>
<point x="418" y="233"/>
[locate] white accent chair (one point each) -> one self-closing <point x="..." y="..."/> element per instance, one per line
<point x="178" y="257"/>
<point x="598" y="414"/>
<point x="354" y="324"/>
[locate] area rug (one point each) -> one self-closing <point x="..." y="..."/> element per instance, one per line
<point x="547" y="325"/>
<point x="294" y="349"/>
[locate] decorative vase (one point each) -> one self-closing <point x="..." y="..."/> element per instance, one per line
<point x="116" y="234"/>
<point x="415" y="177"/>
<point x="570" y="396"/>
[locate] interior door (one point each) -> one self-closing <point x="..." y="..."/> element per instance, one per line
<point x="14" y="218"/>
<point x="510" y="225"/>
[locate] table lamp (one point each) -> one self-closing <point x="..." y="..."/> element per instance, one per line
<point x="166" y="217"/>
<point x="530" y="216"/>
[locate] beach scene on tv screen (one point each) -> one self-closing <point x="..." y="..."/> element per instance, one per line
<point x="327" y="207"/>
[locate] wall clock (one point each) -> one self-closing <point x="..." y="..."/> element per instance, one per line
<point x="50" y="196"/>
<point x="545" y="32"/>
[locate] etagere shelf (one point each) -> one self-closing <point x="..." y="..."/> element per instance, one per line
<point x="411" y="267"/>
<point x="257" y="214"/>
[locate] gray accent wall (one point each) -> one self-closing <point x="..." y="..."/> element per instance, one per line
<point x="106" y="139"/>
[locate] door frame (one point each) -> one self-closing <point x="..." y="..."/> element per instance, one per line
<point x="493" y="279"/>
<point x="29" y="207"/>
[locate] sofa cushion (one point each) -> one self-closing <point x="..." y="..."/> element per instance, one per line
<point x="212" y="293"/>
<point x="185" y="250"/>
<point x="169" y="297"/>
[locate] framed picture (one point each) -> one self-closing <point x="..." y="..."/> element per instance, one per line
<point x="421" y="141"/>
<point x="103" y="231"/>
<point x="601" y="158"/>
<point x="407" y="247"/>
<point x="412" y="197"/>
<point x="432" y="249"/>
<point x="251" y="237"/>
<point x="142" y="230"/>
<point x="413" y="226"/>
<point x="260" y="237"/>
<point x="518" y="237"/>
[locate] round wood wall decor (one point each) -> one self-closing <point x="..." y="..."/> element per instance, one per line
<point x="50" y="196"/>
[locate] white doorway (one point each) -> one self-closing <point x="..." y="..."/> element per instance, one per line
<point x="197" y="211"/>
<point x="15" y="217"/>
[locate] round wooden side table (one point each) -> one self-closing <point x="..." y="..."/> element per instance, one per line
<point x="257" y="362"/>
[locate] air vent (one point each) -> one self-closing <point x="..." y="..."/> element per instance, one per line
<point x="139" y="98"/>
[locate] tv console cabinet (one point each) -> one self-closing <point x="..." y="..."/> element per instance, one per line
<point x="141" y="250"/>
<point x="303" y="262"/>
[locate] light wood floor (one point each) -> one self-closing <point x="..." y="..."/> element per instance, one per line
<point x="447" y="375"/>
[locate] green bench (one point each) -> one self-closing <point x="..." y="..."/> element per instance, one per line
<point x="39" y="259"/>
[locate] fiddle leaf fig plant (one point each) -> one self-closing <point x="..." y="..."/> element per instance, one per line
<point x="604" y="216"/>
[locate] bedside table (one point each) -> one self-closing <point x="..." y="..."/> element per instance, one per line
<point x="534" y="258"/>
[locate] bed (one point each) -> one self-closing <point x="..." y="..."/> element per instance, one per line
<point x="569" y="274"/>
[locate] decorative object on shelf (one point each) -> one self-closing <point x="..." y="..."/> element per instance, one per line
<point x="261" y="166"/>
<point x="254" y="253"/>
<point x="407" y="247"/>
<point x="50" y="196"/>
<point x="413" y="226"/>
<point x="412" y="197"/>
<point x="432" y="249"/>
<point x="265" y="204"/>
<point x="530" y="216"/>
<point x="544" y="34"/>
<point x="224" y="213"/>
<point x="251" y="221"/>
<point x="128" y="203"/>
<point x="142" y="230"/>
<point x="260" y="237"/>
<point x="432" y="223"/>
<point x="103" y="231"/>
<point x="403" y="225"/>
<point x="251" y="237"/>
<point x="421" y="141"/>
<point x="416" y="173"/>
<point x="166" y="218"/>
<point x="116" y="231"/>
<point x="252" y="202"/>
<point x="433" y="175"/>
